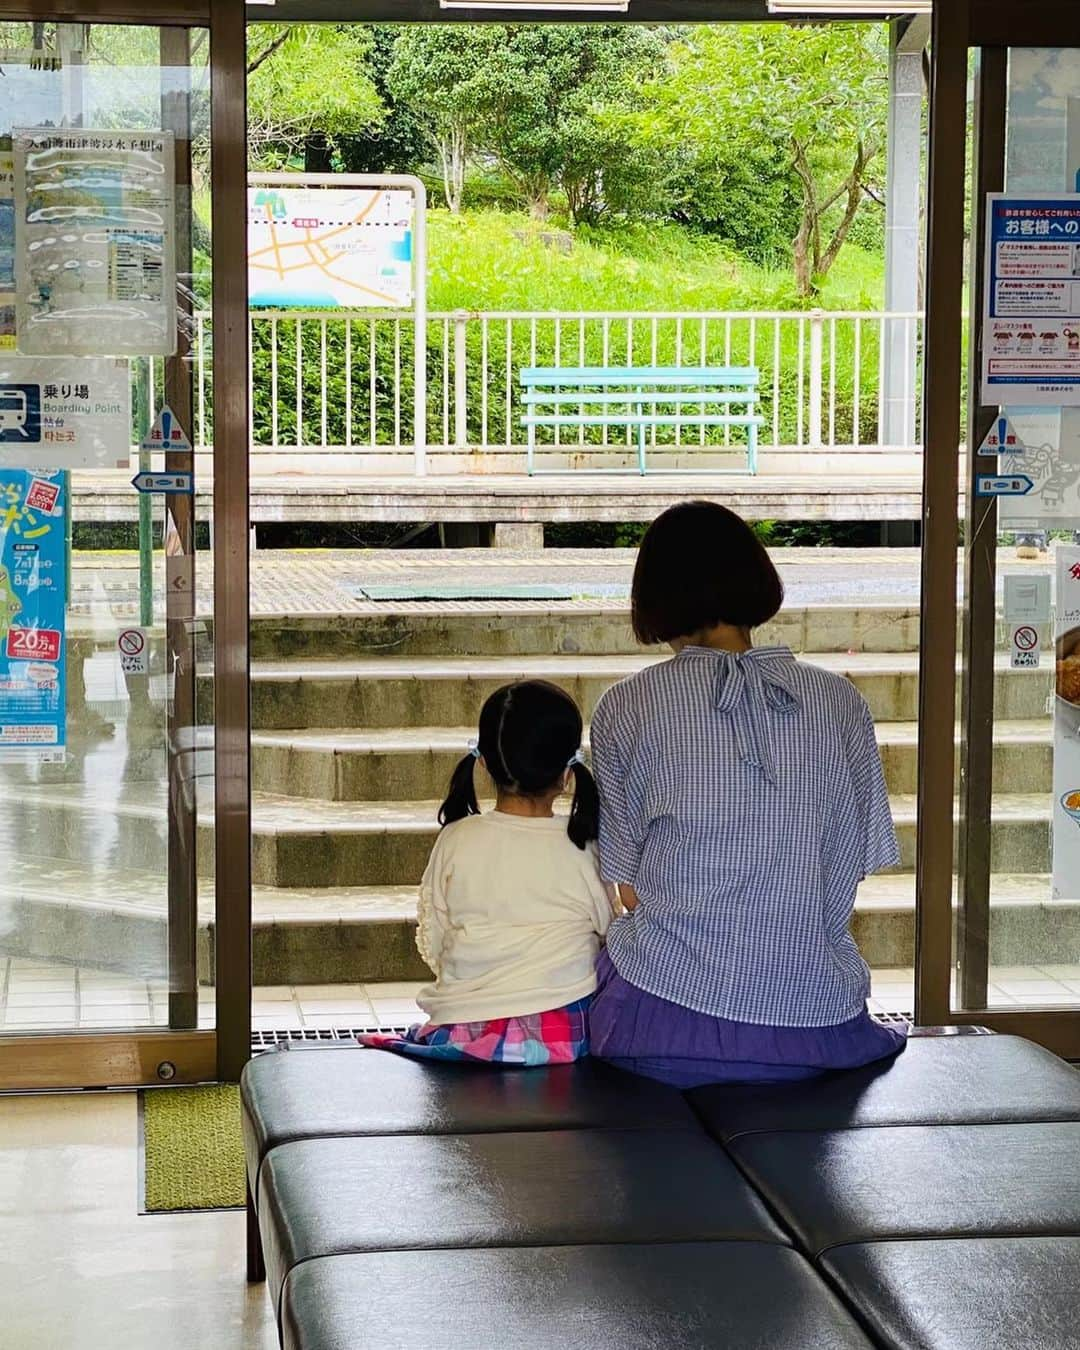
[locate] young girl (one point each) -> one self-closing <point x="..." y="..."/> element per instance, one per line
<point x="512" y="908"/>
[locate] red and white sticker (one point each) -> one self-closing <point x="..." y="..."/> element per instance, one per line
<point x="134" y="653"/>
<point x="1026" y="648"/>
<point x="43" y="496"/>
<point x="33" y="644"/>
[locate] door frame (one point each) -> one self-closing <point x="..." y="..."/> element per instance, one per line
<point x="989" y="28"/>
<point x="135" y="1057"/>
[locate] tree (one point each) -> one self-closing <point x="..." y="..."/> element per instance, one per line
<point x="438" y="72"/>
<point x="396" y="144"/>
<point x="308" y="89"/>
<point x="547" y="92"/>
<point x="815" y="97"/>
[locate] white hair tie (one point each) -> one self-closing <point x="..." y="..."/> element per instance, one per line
<point x="474" y="749"/>
<point x="576" y="758"/>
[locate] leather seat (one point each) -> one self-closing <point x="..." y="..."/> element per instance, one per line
<point x="326" y="1092"/>
<point x="985" y="1294"/>
<point x="320" y="1197"/>
<point x="685" y="1296"/>
<point x="939" y="1080"/>
<point x="846" y="1186"/>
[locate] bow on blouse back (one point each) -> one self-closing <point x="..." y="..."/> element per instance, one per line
<point x="750" y="688"/>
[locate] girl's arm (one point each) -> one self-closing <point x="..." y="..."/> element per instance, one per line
<point x="432" y="912"/>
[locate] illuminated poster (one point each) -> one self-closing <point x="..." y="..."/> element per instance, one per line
<point x="330" y="248"/>
<point x="95" y="237"/>
<point x="64" y="414"/>
<point x="33" y="563"/>
<point x="1031" y="344"/>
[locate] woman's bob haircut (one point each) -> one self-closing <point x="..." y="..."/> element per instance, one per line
<point x="701" y="565"/>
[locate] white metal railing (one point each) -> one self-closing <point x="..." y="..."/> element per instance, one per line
<point x="344" y="381"/>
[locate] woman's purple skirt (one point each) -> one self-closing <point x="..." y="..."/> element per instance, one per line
<point x="648" y="1035"/>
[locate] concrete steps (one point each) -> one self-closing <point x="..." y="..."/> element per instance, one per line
<point x="359" y="719"/>
<point x="64" y="911"/>
<point x="399" y="763"/>
<point x="392" y="691"/>
<point x="574" y="626"/>
<point x="312" y="844"/>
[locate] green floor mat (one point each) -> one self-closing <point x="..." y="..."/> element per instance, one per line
<point x="193" y="1150"/>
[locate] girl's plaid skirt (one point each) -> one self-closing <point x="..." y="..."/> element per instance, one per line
<point x="557" y="1037"/>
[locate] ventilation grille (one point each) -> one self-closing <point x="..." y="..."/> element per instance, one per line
<point x="267" y="1040"/>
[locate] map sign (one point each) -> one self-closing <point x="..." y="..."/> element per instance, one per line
<point x="33" y="562"/>
<point x="95" y="236"/>
<point x="1031" y="347"/>
<point x="330" y="248"/>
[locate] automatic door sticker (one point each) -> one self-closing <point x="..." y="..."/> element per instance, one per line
<point x="1025" y="648"/>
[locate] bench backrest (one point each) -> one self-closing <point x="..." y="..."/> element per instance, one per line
<point x="708" y="400"/>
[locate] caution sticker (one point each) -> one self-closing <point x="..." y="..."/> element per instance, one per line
<point x="1026" y="648"/>
<point x="134" y="652"/>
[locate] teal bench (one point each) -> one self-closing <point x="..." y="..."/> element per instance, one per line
<point x="644" y="399"/>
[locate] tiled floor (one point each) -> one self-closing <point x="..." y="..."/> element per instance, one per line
<point x="35" y="996"/>
<point x="39" y="996"/>
<point x="82" y="1270"/>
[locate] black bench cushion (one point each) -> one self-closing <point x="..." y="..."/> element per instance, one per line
<point x="320" y="1197"/>
<point x="986" y="1294"/>
<point x="352" y="1091"/>
<point x="847" y="1186"/>
<point x="938" y="1080"/>
<point x="683" y="1296"/>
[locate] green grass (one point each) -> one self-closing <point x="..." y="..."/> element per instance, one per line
<point x="495" y="260"/>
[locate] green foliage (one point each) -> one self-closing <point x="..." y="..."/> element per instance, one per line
<point x="502" y="262"/>
<point x="396" y="143"/>
<point x="440" y="75"/>
<point x="306" y="80"/>
<point x="808" y="102"/>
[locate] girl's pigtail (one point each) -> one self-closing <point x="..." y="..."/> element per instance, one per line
<point x="461" y="796"/>
<point x="584" y="823"/>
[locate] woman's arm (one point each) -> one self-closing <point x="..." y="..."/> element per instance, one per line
<point x="627" y="895"/>
<point x="622" y="813"/>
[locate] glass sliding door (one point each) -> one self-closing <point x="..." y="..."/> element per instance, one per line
<point x="108" y="958"/>
<point x="999" y="918"/>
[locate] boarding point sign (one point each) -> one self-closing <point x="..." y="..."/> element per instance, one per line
<point x="1031" y="343"/>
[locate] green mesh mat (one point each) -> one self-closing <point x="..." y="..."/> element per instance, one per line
<point x="193" y="1151"/>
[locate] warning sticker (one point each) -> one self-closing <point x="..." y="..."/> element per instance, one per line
<point x="1026" y="648"/>
<point x="134" y="654"/>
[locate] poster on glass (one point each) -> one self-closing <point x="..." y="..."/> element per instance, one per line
<point x="95" y="243"/>
<point x="1031" y="347"/>
<point x="33" y="586"/>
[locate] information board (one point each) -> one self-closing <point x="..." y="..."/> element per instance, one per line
<point x="330" y="248"/>
<point x="1031" y="334"/>
<point x="95" y="243"/>
<point x="33" y="575"/>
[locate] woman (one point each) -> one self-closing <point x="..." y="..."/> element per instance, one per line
<point x="742" y="802"/>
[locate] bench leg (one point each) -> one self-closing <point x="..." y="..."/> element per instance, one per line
<point x="256" y="1266"/>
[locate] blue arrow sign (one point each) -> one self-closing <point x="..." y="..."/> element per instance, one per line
<point x="1019" y="485"/>
<point x="164" y="482"/>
